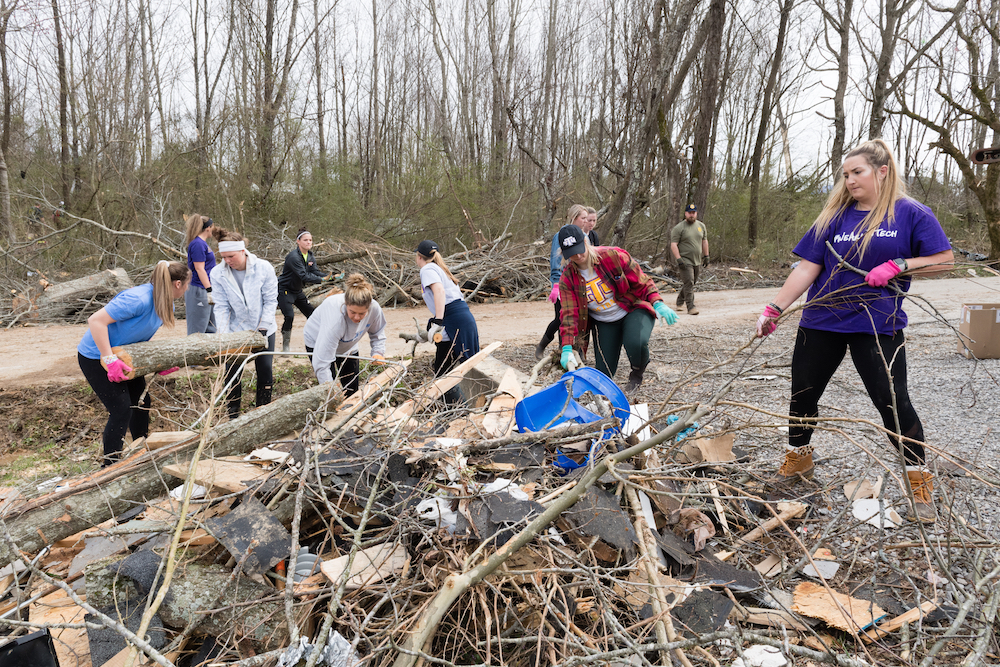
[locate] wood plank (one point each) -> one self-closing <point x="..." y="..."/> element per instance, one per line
<point x="223" y="474"/>
<point x="499" y="421"/>
<point x="786" y="512"/>
<point x="370" y="566"/>
<point x="893" y="624"/>
<point x="164" y="438"/>
<point x="72" y="644"/>
<point x="437" y="389"/>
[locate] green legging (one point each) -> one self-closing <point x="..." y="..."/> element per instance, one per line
<point x="631" y="332"/>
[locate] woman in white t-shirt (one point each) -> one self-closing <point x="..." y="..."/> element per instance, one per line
<point x="450" y="315"/>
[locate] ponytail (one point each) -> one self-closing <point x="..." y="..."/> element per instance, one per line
<point x="437" y="259"/>
<point x="164" y="274"/>
<point x="196" y="224"/>
<point x="358" y="291"/>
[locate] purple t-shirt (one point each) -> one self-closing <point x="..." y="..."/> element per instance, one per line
<point x="198" y="251"/>
<point x="839" y="299"/>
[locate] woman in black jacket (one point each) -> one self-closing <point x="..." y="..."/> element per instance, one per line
<point x="300" y="269"/>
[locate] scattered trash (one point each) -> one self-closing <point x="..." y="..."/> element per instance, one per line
<point x="870" y="510"/>
<point x="761" y="655"/>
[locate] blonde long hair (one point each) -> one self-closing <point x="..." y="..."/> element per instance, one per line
<point x="574" y="212"/>
<point x="358" y="291"/>
<point x="195" y="226"/>
<point x="164" y="274"/>
<point x="877" y="154"/>
<point x="437" y="259"/>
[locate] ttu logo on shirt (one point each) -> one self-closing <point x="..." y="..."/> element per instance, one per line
<point x="599" y="295"/>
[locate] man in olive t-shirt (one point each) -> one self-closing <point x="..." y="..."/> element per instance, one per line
<point x="689" y="247"/>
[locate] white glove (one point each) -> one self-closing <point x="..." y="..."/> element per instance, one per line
<point x="435" y="329"/>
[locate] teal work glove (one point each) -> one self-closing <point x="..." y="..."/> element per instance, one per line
<point x="665" y="313"/>
<point x="567" y="355"/>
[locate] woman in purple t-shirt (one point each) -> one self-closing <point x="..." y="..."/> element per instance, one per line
<point x="875" y="227"/>
<point x="200" y="260"/>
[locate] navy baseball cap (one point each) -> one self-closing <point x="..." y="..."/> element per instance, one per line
<point x="690" y="208"/>
<point x="572" y="240"/>
<point x="427" y="248"/>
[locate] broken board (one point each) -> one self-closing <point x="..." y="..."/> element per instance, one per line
<point x="72" y="644"/>
<point x="814" y="601"/>
<point x="227" y="474"/>
<point x="370" y="566"/>
<point x="499" y="421"/>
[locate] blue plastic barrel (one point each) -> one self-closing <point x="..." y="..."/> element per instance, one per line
<point x="541" y="410"/>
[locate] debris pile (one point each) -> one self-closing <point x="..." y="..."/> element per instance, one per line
<point x="391" y="528"/>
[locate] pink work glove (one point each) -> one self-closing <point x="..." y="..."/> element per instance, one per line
<point x="118" y="371"/>
<point x="169" y="371"/>
<point x="554" y="294"/>
<point x="882" y="274"/>
<point x="767" y="322"/>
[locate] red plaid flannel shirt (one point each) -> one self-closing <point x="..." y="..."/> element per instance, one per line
<point x="632" y="289"/>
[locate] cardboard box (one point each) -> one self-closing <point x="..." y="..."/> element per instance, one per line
<point x="980" y="329"/>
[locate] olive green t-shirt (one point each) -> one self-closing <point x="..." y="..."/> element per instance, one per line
<point x="688" y="237"/>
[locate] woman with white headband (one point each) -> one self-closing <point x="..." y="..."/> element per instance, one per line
<point x="300" y="268"/>
<point x="246" y="295"/>
<point x="133" y="316"/>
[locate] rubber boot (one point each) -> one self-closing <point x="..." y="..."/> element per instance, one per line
<point x="634" y="379"/>
<point x="540" y="348"/>
<point x="286" y="341"/>
<point x="263" y="396"/>
<point x="921" y="483"/>
<point x="798" y="466"/>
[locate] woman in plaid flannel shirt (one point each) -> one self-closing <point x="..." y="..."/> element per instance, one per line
<point x="604" y="289"/>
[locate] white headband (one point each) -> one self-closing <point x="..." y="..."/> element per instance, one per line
<point x="231" y="246"/>
<point x="302" y="233"/>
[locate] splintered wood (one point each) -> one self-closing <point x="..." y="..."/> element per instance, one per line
<point x="835" y="609"/>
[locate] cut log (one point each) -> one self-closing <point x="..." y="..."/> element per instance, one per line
<point x="194" y="350"/>
<point x="62" y="300"/>
<point x="94" y="498"/>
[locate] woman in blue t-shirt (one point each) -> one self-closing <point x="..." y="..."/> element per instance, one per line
<point x="450" y="315"/>
<point x="875" y="227"/>
<point x="133" y="316"/>
<point x="200" y="260"/>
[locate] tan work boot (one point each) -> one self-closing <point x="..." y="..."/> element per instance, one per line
<point x="798" y="465"/>
<point x="920" y="480"/>
<point x="693" y="310"/>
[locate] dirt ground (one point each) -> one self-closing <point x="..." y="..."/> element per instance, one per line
<point x="52" y="420"/>
<point x="46" y="355"/>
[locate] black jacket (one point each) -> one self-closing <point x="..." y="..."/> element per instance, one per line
<point x="298" y="272"/>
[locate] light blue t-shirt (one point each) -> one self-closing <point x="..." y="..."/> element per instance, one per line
<point x="135" y="320"/>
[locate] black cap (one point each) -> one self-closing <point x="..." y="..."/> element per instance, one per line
<point x="427" y="248"/>
<point x="690" y="208"/>
<point x="572" y="240"/>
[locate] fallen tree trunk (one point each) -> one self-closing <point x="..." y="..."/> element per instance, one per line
<point x="340" y="257"/>
<point x="194" y="350"/>
<point x="61" y="300"/>
<point x="96" y="498"/>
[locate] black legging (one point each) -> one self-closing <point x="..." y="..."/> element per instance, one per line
<point x="347" y="369"/>
<point x="815" y="359"/>
<point x="288" y="302"/>
<point x="265" y="380"/>
<point x="125" y="412"/>
<point x="552" y="330"/>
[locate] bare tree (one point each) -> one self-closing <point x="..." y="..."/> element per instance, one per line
<point x="972" y="109"/>
<point x="63" y="105"/>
